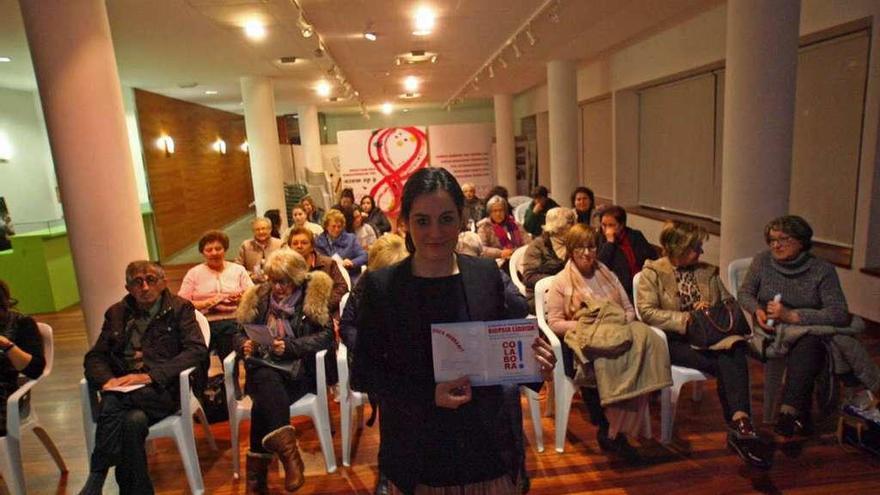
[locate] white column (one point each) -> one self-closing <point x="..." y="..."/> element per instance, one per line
<point x="310" y="137"/>
<point x="265" y="153"/>
<point x="563" y="109"/>
<point x="505" y="147"/>
<point x="75" y="66"/>
<point x="758" y="121"/>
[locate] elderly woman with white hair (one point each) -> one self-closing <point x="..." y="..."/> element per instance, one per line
<point x="292" y="308"/>
<point x="545" y="255"/>
<point x="499" y="232"/>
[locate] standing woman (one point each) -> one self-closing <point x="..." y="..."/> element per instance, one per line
<point x="436" y="437"/>
<point x="375" y="216"/>
<point x="215" y="287"/>
<point x="22" y="349"/>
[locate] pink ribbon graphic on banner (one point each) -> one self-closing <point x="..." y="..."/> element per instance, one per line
<point x="396" y="152"/>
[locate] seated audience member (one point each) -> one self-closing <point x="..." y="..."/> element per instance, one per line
<point x="536" y="212"/>
<point x="313" y="213"/>
<point x="300" y="220"/>
<point x="474" y="209"/>
<point x="335" y="241"/>
<point x="586" y="298"/>
<point x="303" y="242"/>
<point x="669" y="289"/>
<point x="546" y="254"/>
<point x="292" y="305"/>
<point x="498" y="191"/>
<point x="6" y="231"/>
<point x="346" y="199"/>
<point x="622" y="249"/>
<point x="499" y="233"/>
<point x="22" y="345"/>
<point x="215" y="287"/>
<point x="274" y="217"/>
<point x="811" y="316"/>
<point x="386" y="251"/>
<point x="375" y="216"/>
<point x="364" y="232"/>
<point x="584" y="203"/>
<point x="253" y="252"/>
<point x="147" y="339"/>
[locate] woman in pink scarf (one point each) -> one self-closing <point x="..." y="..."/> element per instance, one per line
<point x="499" y="232"/>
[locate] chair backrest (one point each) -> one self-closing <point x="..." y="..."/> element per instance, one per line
<point x="48" y="346"/>
<point x="515" y="201"/>
<point x="636" y="279"/>
<point x="519" y="212"/>
<point x="342" y="269"/>
<point x="541" y="289"/>
<point x="515" y="262"/>
<point x="736" y="272"/>
<point x="205" y="327"/>
<point x="343" y="302"/>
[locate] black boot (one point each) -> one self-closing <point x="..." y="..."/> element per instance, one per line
<point x="382" y="487"/>
<point x="790" y="425"/>
<point x="743" y="439"/>
<point x="94" y="483"/>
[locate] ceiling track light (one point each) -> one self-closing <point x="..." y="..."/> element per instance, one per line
<point x="491" y="71"/>
<point x="516" y="52"/>
<point x="502" y="62"/>
<point x="530" y="37"/>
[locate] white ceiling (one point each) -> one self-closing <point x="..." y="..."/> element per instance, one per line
<point x="162" y="44"/>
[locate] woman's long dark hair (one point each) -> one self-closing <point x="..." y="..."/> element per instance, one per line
<point x="427" y="181"/>
<point x="6" y="300"/>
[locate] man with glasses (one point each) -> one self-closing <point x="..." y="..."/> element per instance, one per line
<point x="147" y="339"/>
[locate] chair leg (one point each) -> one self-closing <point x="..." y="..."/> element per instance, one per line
<point x="10" y="466"/>
<point x="345" y="411"/>
<point x="563" y="408"/>
<point x="535" y="413"/>
<point x="234" y="426"/>
<point x="203" y="419"/>
<point x="322" y="425"/>
<point x="666" y="408"/>
<point x="646" y="423"/>
<point x="186" y="445"/>
<point x="47" y="442"/>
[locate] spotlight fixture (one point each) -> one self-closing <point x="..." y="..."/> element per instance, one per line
<point x="424" y="21"/>
<point x="166" y="144"/>
<point x="530" y="36"/>
<point x="244" y="147"/>
<point x="370" y="36"/>
<point x="323" y="88"/>
<point x="387" y="108"/>
<point x="491" y="72"/>
<point x="516" y="52"/>
<point x="411" y="84"/>
<point x="405" y="110"/>
<point x="502" y="62"/>
<point x="433" y="59"/>
<point x="255" y="30"/>
<point x="211" y="92"/>
<point x="305" y="28"/>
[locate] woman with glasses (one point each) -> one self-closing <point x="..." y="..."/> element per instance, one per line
<point x="292" y="308"/>
<point x="21" y="349"/>
<point x="587" y="297"/>
<point x="811" y="312"/>
<point x="669" y="289"/>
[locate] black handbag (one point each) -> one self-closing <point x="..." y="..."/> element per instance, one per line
<point x="707" y="327"/>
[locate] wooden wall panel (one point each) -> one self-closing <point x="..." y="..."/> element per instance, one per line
<point x="196" y="188"/>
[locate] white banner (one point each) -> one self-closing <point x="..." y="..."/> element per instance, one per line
<point x="464" y="150"/>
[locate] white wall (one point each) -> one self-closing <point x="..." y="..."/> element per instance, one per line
<point x="134" y="141"/>
<point x="700" y="41"/>
<point x="27" y="180"/>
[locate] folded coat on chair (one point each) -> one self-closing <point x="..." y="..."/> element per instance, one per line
<point x="628" y="359"/>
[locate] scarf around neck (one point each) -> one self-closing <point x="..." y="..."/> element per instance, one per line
<point x="282" y="312"/>
<point x="507" y="233"/>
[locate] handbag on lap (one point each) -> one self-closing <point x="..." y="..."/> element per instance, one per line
<point x="709" y="326"/>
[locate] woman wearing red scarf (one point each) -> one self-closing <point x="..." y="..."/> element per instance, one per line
<point x="499" y="232"/>
<point x="622" y="249"/>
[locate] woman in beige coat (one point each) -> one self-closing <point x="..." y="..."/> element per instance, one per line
<point x="669" y="289"/>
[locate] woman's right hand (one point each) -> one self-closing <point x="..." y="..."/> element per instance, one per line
<point x="506" y="253"/>
<point x="761" y="320"/>
<point x="453" y="394"/>
<point x="247" y="348"/>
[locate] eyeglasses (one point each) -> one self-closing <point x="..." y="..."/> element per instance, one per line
<point x="150" y="280"/>
<point x="584" y="250"/>
<point x="782" y="240"/>
<point x="282" y="282"/>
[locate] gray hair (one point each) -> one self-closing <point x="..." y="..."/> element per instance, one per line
<point x="141" y="266"/>
<point x="559" y="220"/>
<point x="793" y="226"/>
<point x="257" y="220"/>
<point x="497" y="199"/>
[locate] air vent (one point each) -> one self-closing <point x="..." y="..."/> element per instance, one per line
<point x="287" y="60"/>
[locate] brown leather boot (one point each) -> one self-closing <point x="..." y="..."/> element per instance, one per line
<point x="283" y="443"/>
<point x="257" y="470"/>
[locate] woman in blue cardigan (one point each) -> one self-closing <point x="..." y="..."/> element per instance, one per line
<point x="336" y="241"/>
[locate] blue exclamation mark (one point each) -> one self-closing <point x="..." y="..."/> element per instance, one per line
<point x="519" y="353"/>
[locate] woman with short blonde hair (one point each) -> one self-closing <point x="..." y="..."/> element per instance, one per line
<point x="545" y="255"/>
<point x="336" y="241"/>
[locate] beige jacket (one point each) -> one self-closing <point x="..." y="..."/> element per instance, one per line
<point x="658" y="299"/>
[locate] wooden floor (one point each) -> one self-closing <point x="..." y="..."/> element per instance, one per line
<point x="697" y="462"/>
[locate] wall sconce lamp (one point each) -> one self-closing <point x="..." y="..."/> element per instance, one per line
<point x="219" y="146"/>
<point x="166" y="144"/>
<point x="244" y="147"/>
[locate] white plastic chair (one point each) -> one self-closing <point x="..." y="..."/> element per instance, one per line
<point x="680" y="376"/>
<point x="351" y="400"/>
<point x="342" y="269"/>
<point x="177" y="426"/>
<point x="515" y="201"/>
<point x="515" y="267"/>
<point x="21" y="417"/>
<point x="774" y="369"/>
<point x="519" y="211"/>
<point x="311" y="405"/>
